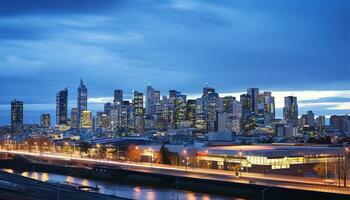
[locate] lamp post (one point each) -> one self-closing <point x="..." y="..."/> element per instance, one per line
<point x="186" y="157"/>
<point x="98" y="150"/>
<point x="73" y="148"/>
<point x="240" y="161"/>
<point x="66" y="146"/>
<point x="151" y="156"/>
<point x="137" y="150"/>
<point x="36" y="147"/>
<point x="45" y="147"/>
<point x="207" y="154"/>
<point x="326" y="168"/>
<point x="345" y="164"/>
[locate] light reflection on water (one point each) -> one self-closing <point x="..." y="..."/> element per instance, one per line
<point x="124" y="190"/>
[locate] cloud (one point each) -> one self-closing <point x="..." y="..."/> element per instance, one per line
<point x="341" y="106"/>
<point x="285" y="45"/>
<point x="26" y="7"/>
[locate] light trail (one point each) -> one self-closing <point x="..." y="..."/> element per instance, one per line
<point x="292" y="182"/>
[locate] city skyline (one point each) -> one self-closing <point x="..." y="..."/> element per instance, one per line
<point x="175" y="99"/>
<point x="307" y="100"/>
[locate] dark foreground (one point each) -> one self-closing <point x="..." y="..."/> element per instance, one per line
<point x="15" y="187"/>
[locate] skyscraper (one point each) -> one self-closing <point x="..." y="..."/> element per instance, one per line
<point x="253" y="93"/>
<point x="108" y="108"/>
<point x="227" y="104"/>
<point x="320" y="123"/>
<point x="246" y="102"/>
<point x="266" y="108"/>
<point x="118" y="97"/>
<point x="61" y="107"/>
<point x="152" y="98"/>
<point x="308" y="119"/>
<point x="200" y="116"/>
<point x="180" y="110"/>
<point x="81" y="100"/>
<point x="139" y="112"/>
<point x="191" y="112"/>
<point x="74" y="118"/>
<point x="138" y="103"/>
<point x="269" y="108"/>
<point x="45" y="120"/>
<point x="16" y="114"/>
<point x="290" y="110"/>
<point x="340" y="123"/>
<point x="211" y="102"/>
<point x="101" y="121"/>
<point x="86" y="119"/>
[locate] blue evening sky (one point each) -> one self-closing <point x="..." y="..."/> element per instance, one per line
<point x="299" y="47"/>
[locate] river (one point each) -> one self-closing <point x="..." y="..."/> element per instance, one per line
<point x="125" y="190"/>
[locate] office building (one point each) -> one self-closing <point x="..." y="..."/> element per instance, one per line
<point x="191" y="112"/>
<point x="340" y="123"/>
<point x="82" y="99"/>
<point x="320" y="123"/>
<point x="107" y="108"/>
<point x="211" y="106"/>
<point x="138" y="112"/>
<point x="180" y="111"/>
<point x="246" y="102"/>
<point x="290" y="110"/>
<point x="253" y="93"/>
<point x="74" y="118"/>
<point x="62" y="107"/>
<point x="45" y="120"/>
<point x="16" y="115"/>
<point x="86" y="120"/>
<point x="118" y="97"/>
<point x="269" y="108"/>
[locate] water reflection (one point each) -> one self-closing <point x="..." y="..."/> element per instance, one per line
<point x="123" y="190"/>
<point x="69" y="179"/>
<point x="85" y="182"/>
<point x="9" y="170"/>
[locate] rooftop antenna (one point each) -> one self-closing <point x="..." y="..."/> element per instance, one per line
<point x="149" y="82"/>
<point x="206" y="82"/>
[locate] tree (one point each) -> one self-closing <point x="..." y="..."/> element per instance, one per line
<point x="164" y="155"/>
<point x="320" y="169"/>
<point x="133" y="153"/>
<point x="84" y="147"/>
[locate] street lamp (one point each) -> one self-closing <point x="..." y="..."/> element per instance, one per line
<point x="45" y="146"/>
<point x="36" y="147"/>
<point x="240" y="161"/>
<point x="347" y="149"/>
<point x="66" y="146"/>
<point x="186" y="157"/>
<point x="98" y="150"/>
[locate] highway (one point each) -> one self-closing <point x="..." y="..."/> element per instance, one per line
<point x="269" y="180"/>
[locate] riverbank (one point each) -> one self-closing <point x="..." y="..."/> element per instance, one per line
<point x="13" y="186"/>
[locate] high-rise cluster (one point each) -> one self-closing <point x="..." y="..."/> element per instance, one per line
<point x="252" y="113"/>
<point x="80" y="117"/>
<point x="209" y="113"/>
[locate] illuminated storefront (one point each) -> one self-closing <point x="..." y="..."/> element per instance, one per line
<point x="267" y="156"/>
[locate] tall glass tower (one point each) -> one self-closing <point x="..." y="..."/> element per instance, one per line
<point x="61" y="107"/>
<point x="16" y="114"/>
<point x="82" y="100"/>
